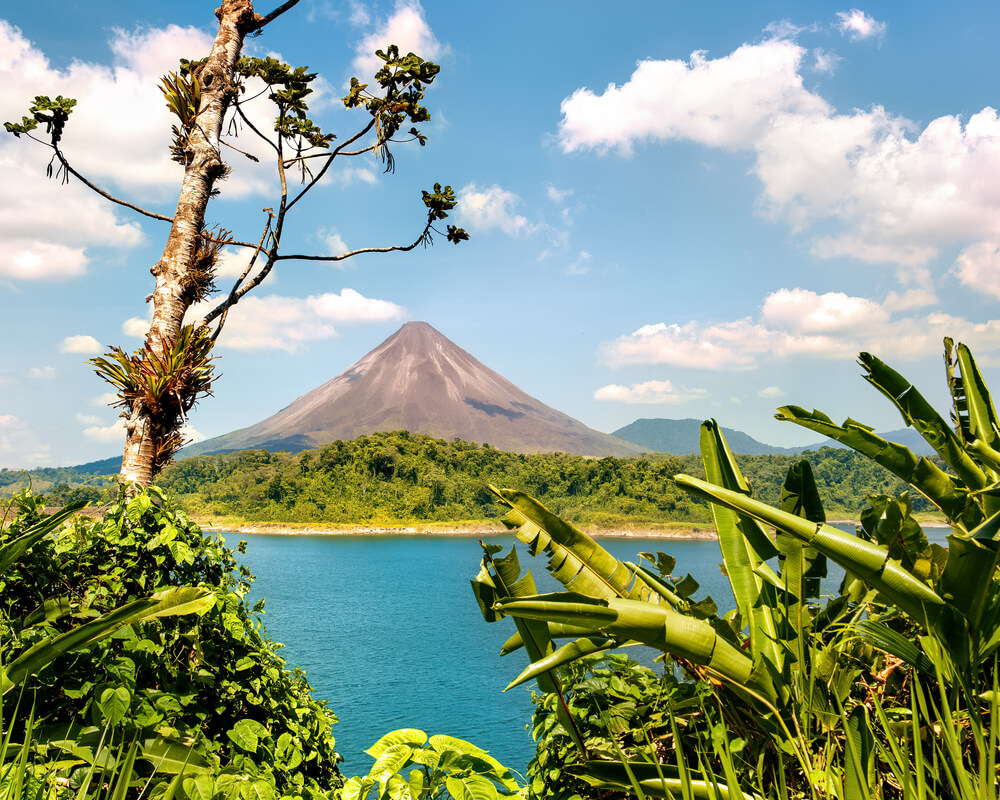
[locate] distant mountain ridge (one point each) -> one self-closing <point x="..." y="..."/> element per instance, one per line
<point x="419" y="380"/>
<point x="680" y="438"/>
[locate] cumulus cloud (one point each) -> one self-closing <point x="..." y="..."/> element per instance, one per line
<point x="333" y="242"/>
<point x="107" y="434"/>
<point x="557" y="195"/>
<point x="407" y="28"/>
<point x="649" y="393"/>
<point x="857" y="25"/>
<point x="771" y="391"/>
<point x="795" y="323"/>
<point x="105" y="399"/>
<point x="978" y="267"/>
<point x="492" y="208"/>
<point x="885" y="189"/>
<point x="135" y="326"/>
<point x="42" y="373"/>
<point x="273" y="322"/>
<point x="86" y="345"/>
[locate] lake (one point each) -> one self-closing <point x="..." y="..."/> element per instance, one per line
<point x="389" y="632"/>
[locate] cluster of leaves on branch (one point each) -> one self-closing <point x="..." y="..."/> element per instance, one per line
<point x="287" y="88"/>
<point x="213" y="684"/>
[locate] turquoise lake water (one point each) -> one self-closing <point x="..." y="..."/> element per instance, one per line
<point x="389" y="632"/>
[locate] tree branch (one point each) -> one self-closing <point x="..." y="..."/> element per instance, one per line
<point x="423" y="238"/>
<point x="336" y="152"/>
<point x="269" y="18"/>
<point x="104" y="194"/>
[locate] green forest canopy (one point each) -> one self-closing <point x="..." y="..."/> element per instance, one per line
<point x="403" y="477"/>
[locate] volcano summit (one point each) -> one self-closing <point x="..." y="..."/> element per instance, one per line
<point x="419" y="380"/>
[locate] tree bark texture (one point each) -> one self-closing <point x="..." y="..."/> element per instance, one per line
<point x="173" y="272"/>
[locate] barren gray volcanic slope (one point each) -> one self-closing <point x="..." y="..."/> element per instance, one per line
<point x="420" y="381"/>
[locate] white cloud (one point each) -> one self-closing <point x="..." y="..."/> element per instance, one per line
<point x="107" y="434"/>
<point x="87" y="345"/>
<point x="771" y="391"/>
<point x="105" y="399"/>
<point x="273" y="322"/>
<point x="88" y="419"/>
<point x="795" y="323"/>
<point x="581" y="266"/>
<point x="890" y="191"/>
<point x="978" y="267"/>
<point x="490" y="208"/>
<point x="407" y="28"/>
<point x="649" y="393"/>
<point x="135" y="326"/>
<point x="857" y="25"/>
<point x="825" y="62"/>
<point x="557" y="195"/>
<point x="726" y="102"/>
<point x="333" y="242"/>
<point x="910" y="300"/>
<point x="190" y="434"/>
<point x="42" y="373"/>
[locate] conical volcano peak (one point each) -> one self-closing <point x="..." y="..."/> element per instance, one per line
<point x="419" y="380"/>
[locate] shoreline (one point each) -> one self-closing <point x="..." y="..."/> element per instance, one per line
<point x="471" y="529"/>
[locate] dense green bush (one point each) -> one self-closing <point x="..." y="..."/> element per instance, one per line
<point x="213" y="682"/>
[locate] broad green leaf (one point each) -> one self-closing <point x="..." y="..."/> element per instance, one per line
<point x="174" y="758"/>
<point x="114" y="703"/>
<point x="200" y="787"/>
<point x="392" y="759"/>
<point x="409" y="736"/>
<point x="246" y="734"/>
<point x="471" y="787"/>
<point x="983" y="423"/>
<point x="565" y="654"/>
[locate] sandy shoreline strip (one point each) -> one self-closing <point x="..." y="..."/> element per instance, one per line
<point x="458" y="529"/>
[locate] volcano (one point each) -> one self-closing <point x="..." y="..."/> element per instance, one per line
<point x="419" y="380"/>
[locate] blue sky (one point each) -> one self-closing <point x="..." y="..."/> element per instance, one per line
<point x="677" y="210"/>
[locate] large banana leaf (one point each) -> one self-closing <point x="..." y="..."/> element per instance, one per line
<point x="942" y="489"/>
<point x="744" y="545"/>
<point x="575" y="559"/>
<point x="866" y="560"/>
<point x="169" y="602"/>
<point x="969" y="579"/>
<point x="916" y="411"/>
<point x="659" y="627"/>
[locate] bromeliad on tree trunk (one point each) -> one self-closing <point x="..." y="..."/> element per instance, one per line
<point x="160" y="383"/>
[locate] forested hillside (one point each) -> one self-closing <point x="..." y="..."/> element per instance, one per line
<point x="399" y="476"/>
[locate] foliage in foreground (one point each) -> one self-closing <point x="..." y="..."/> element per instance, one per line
<point x="888" y="690"/>
<point x="211" y="689"/>
<point x="438" y="767"/>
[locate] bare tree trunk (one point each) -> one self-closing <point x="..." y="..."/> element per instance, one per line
<point x="174" y="277"/>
